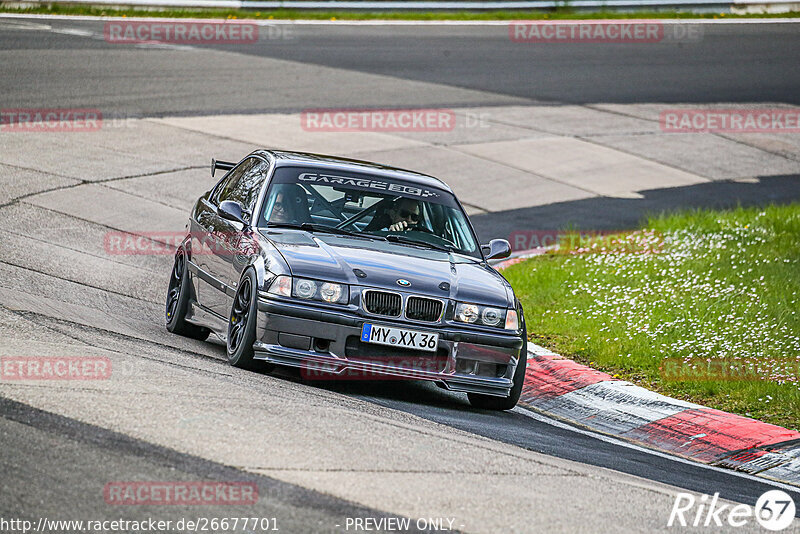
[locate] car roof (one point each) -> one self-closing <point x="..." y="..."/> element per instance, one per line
<point x="290" y="158"/>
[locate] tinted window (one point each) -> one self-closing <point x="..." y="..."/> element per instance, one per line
<point x="244" y="183"/>
<point x="245" y="191"/>
<point x="223" y="188"/>
<point x="368" y="205"/>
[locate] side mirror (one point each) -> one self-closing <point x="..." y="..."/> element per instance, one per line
<point x="498" y="249"/>
<point x="232" y="211"/>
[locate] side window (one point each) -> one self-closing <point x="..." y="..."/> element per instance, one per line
<point x="224" y="188"/>
<point x="243" y="184"/>
<point x="246" y="189"/>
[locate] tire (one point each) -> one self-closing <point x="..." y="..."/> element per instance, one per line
<point x="242" y="323"/>
<point x="178" y="294"/>
<point x="489" y="402"/>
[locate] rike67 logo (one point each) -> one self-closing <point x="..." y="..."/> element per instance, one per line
<point x="774" y="510"/>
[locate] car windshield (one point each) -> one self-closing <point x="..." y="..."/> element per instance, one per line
<point x="368" y="206"/>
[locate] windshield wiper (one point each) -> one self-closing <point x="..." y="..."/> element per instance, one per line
<point x="312" y="227"/>
<point x="409" y="241"/>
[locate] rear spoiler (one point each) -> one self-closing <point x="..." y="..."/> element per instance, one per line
<point x="223" y="165"/>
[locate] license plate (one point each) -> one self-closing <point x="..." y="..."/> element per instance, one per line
<point x="399" y="337"/>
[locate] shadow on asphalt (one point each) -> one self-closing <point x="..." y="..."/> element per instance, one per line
<point x="608" y="213"/>
<point x="389" y="390"/>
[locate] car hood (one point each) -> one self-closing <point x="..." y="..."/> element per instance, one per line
<point x="336" y="258"/>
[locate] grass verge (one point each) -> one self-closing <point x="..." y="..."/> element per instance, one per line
<point x="699" y="305"/>
<point x="302" y="14"/>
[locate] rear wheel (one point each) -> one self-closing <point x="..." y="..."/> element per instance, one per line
<point x="489" y="402"/>
<point x="178" y="293"/>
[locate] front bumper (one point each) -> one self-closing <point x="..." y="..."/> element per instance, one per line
<point x="324" y="343"/>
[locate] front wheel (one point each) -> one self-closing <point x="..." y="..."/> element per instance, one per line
<point x="178" y="292"/>
<point x="242" y="323"/>
<point x="489" y="402"/>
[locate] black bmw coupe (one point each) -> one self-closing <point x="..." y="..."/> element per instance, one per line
<point x="348" y="269"/>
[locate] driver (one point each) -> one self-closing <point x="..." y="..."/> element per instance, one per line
<point x="291" y="205"/>
<point x="402" y="215"/>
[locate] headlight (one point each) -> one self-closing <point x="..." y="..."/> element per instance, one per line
<point x="306" y="289"/>
<point x="491" y="316"/>
<point x="486" y="316"/>
<point x="331" y="292"/>
<point x="466" y="313"/>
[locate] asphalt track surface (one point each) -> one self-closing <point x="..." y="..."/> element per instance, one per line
<point x="522" y="431"/>
<point x="730" y="63"/>
<point x="50" y="484"/>
<point x="753" y="63"/>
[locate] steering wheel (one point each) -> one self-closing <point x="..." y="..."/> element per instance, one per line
<point x="414" y="228"/>
<point x="419" y="228"/>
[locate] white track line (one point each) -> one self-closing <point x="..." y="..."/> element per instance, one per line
<point x="270" y="22"/>
<point x="614" y="441"/>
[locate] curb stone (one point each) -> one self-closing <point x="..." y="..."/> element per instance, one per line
<point x="575" y="393"/>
